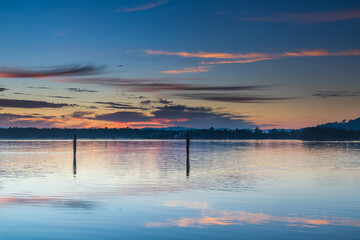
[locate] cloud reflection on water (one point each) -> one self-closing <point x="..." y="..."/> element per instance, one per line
<point x="209" y="217"/>
<point x="50" y="201"/>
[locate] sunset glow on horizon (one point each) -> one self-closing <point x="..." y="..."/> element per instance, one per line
<point x="170" y="63"/>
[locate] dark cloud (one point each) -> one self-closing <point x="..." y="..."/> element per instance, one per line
<point x="181" y="111"/>
<point x="26" y="120"/>
<point x="200" y="117"/>
<point x="197" y="117"/>
<point x="146" y="125"/>
<point x="153" y="85"/>
<point x="146" y="102"/>
<point x="233" y="98"/>
<point x="58" y="97"/>
<point x="70" y="70"/>
<point x="11" y="116"/>
<point x="80" y="90"/>
<point x="19" y="93"/>
<point x="165" y="101"/>
<point x="327" y="94"/>
<point x="156" y="87"/>
<point x="114" y="105"/>
<point x="55" y="96"/>
<point x="14" y="103"/>
<point x="161" y="101"/>
<point x="124" y="117"/>
<point x="81" y="114"/>
<point x="3" y="89"/>
<point x="29" y="123"/>
<point x="40" y="87"/>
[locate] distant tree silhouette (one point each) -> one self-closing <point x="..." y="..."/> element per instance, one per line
<point x="347" y="125"/>
<point x="118" y="133"/>
<point x="321" y="133"/>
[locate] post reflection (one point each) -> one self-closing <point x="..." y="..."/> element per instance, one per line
<point x="74" y="166"/>
<point x="187" y="167"/>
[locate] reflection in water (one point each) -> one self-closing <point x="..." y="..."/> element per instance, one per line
<point x="210" y="217"/>
<point x="187" y="166"/>
<point x="74" y="166"/>
<point x="38" y="200"/>
<point x="272" y="187"/>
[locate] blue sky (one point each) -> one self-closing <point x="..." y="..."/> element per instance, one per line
<point x="284" y="64"/>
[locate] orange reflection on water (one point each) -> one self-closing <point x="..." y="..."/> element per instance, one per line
<point x="223" y="217"/>
<point x="39" y="200"/>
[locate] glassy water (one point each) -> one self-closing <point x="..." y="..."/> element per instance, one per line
<point x="141" y="190"/>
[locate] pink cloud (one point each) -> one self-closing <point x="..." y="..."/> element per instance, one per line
<point x="201" y="54"/>
<point x="247" y="57"/>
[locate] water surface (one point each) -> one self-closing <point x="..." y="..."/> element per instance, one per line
<point x="260" y="189"/>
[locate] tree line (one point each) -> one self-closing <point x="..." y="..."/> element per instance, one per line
<point x="314" y="133"/>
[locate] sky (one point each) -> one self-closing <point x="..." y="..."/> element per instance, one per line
<point x="167" y="63"/>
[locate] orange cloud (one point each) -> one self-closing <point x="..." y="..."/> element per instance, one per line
<point x="237" y="61"/>
<point x="247" y="57"/>
<point x="201" y="54"/>
<point x="319" y="53"/>
<point x="188" y="70"/>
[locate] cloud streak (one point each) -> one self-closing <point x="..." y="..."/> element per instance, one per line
<point x="15" y="103"/>
<point x="27" y="120"/>
<point x="61" y="33"/>
<point x="313" y="17"/>
<point x="71" y="70"/>
<point x="80" y="90"/>
<point x="328" y="94"/>
<point x="142" y="7"/>
<point x="114" y="105"/>
<point x="232" y="98"/>
<point x="188" y="70"/>
<point x="201" y="54"/>
<point x="251" y="57"/>
<point x="149" y="85"/>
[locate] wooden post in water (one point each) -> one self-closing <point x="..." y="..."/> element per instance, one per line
<point x="187" y="155"/>
<point x="74" y="148"/>
<point x="187" y="144"/>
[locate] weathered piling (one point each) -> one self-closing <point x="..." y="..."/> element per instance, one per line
<point x="187" y="145"/>
<point x="74" y="146"/>
<point x="187" y="155"/>
<point x="187" y="166"/>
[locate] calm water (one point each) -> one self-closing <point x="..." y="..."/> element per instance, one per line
<point x="140" y="190"/>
